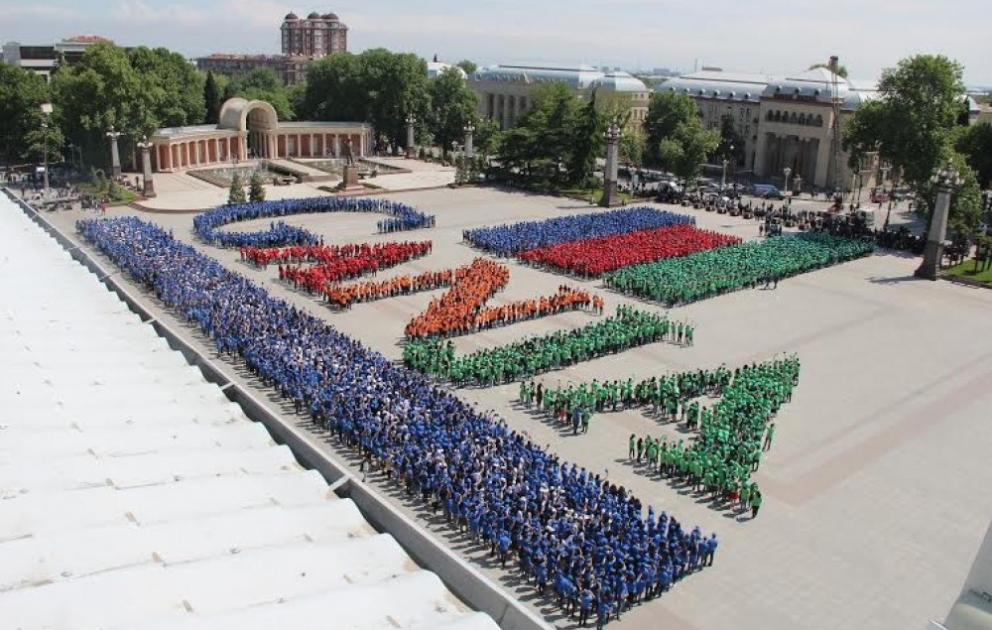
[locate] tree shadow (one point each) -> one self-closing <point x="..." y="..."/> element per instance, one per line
<point x="896" y="280"/>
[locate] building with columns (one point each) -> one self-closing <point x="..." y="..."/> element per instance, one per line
<point x="785" y="122"/>
<point x="505" y="91"/>
<point x="251" y="129"/>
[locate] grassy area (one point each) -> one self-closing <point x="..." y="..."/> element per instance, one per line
<point x="124" y="195"/>
<point x="967" y="270"/>
<point x="584" y="194"/>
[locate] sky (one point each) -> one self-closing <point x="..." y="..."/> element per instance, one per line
<point x="775" y="37"/>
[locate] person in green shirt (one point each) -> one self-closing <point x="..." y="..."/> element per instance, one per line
<point x="769" y="434"/>
<point x="632" y="451"/>
<point x="755" y="500"/>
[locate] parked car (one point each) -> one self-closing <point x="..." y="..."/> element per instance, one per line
<point x="767" y="191"/>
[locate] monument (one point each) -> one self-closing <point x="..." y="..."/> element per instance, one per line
<point x="947" y="180"/>
<point x="349" y="175"/>
<point x="610" y="197"/>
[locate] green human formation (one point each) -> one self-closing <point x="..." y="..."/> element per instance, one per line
<point x="713" y="272"/>
<point x="729" y="436"/>
<point x="629" y="328"/>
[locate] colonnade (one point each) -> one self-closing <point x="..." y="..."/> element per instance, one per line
<point x="505" y="109"/>
<point x="178" y="154"/>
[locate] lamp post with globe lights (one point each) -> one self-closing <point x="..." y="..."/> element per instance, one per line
<point x="610" y="197"/>
<point x="469" y="147"/>
<point x="148" y="186"/>
<point x="947" y="180"/>
<point x="411" y="149"/>
<point x="46" y="112"/>
<point x="115" y="157"/>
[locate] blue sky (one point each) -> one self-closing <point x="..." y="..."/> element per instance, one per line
<point x="773" y="36"/>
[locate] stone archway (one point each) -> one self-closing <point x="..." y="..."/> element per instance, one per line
<point x="260" y="121"/>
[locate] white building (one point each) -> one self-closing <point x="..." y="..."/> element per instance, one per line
<point x="505" y="91"/>
<point x="785" y="122"/>
<point x="136" y="495"/>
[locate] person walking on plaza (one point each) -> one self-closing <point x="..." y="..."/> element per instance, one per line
<point x="632" y="451"/>
<point x="755" y="502"/>
<point x="769" y="434"/>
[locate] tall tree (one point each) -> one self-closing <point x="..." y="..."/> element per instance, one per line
<point x="171" y="85"/>
<point x="586" y="143"/>
<point x="453" y="105"/>
<point x="731" y="146"/>
<point x="336" y="89"/>
<point x="975" y="144"/>
<point x="541" y="143"/>
<point x="912" y="125"/>
<point x="685" y="150"/>
<point x="21" y="95"/>
<point x="468" y="66"/>
<point x="262" y="84"/>
<point x="211" y="99"/>
<point x="616" y="109"/>
<point x="377" y="86"/>
<point x="667" y="110"/>
<point x="100" y="91"/>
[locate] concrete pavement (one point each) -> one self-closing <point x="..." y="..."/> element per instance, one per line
<point x="876" y="487"/>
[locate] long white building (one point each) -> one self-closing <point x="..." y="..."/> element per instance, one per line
<point x="136" y="496"/>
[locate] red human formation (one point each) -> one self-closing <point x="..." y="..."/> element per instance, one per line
<point x="263" y="256"/>
<point x="596" y="256"/>
<point x="348" y="261"/>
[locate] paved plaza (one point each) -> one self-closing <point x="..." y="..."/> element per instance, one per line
<point x="876" y="487"/>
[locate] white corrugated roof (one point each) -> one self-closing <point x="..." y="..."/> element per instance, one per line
<point x="135" y="495"/>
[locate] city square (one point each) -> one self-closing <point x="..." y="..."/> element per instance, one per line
<point x="416" y="316"/>
<point x="886" y="424"/>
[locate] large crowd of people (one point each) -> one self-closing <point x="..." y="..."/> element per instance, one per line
<point x="717" y="271"/>
<point x="629" y="328"/>
<point x="730" y="436"/>
<point x="510" y="240"/>
<point x="460" y="310"/>
<point x="593" y="257"/>
<point x="581" y="540"/>
<point x="350" y="261"/>
<point x="342" y="296"/>
<point x="208" y="225"/>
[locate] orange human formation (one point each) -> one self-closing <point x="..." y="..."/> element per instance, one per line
<point x="342" y="296"/>
<point x="459" y="311"/>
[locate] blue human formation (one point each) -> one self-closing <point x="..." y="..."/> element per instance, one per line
<point x="507" y="240"/>
<point x="207" y="225"/>
<point x="579" y="538"/>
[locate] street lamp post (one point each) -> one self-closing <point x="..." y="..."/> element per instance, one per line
<point x="148" y="188"/>
<point x="469" y="147"/>
<point x="732" y="160"/>
<point x="609" y="197"/>
<point x="46" y="111"/>
<point x="115" y="158"/>
<point x="411" y="149"/>
<point x="947" y="179"/>
<point x="786" y="172"/>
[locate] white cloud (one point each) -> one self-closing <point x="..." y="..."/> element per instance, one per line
<point x="12" y="12"/>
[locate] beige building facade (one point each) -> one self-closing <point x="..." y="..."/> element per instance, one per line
<point x="787" y="123"/>
<point x="506" y="91"/>
<point x="251" y="129"/>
